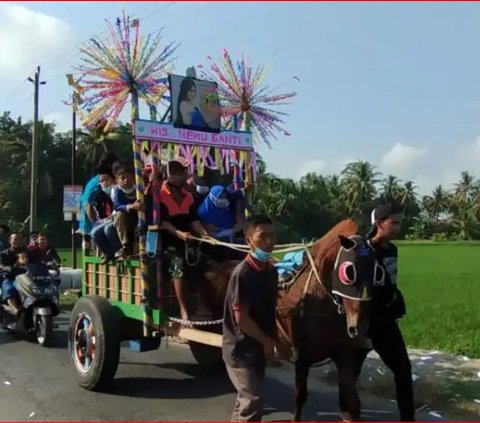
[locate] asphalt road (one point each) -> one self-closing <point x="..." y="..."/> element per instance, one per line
<point x="164" y="385"/>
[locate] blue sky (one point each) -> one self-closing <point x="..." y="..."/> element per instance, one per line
<point x="395" y="84"/>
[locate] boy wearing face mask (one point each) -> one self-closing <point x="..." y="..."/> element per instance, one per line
<point x="179" y="218"/>
<point x="199" y="188"/>
<point x="249" y="326"/>
<point x="126" y="208"/>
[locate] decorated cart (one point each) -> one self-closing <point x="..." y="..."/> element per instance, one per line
<point x="130" y="300"/>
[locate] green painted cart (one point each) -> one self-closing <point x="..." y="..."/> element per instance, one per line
<point x="129" y="301"/>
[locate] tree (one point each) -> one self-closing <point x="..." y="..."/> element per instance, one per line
<point x="358" y="182"/>
<point x="391" y="189"/>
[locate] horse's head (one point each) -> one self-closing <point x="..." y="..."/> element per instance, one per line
<point x="354" y="271"/>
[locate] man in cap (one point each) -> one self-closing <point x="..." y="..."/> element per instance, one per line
<point x="179" y="218"/>
<point x="388" y="306"/>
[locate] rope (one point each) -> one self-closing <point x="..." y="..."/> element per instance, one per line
<point x="245" y="248"/>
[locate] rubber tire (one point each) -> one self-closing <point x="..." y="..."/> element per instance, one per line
<point x="47" y="322"/>
<point x="207" y="356"/>
<point x="107" y="325"/>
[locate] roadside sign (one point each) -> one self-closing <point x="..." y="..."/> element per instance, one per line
<point x="71" y="198"/>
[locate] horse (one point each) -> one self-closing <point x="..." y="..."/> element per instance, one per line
<point x="323" y="313"/>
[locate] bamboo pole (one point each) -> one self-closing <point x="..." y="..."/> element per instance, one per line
<point x="137" y="156"/>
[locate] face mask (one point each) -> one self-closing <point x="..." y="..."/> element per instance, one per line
<point x="202" y="190"/>
<point x="261" y="255"/>
<point x="128" y="190"/>
<point x="222" y="203"/>
<point x="107" y="190"/>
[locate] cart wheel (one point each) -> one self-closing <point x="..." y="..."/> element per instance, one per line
<point x="94" y="342"/>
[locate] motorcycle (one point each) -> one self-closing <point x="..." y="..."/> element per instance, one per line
<point x="39" y="296"/>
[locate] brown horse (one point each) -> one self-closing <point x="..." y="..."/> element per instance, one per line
<point x="321" y="315"/>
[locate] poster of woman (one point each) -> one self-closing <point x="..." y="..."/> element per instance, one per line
<point x="195" y="104"/>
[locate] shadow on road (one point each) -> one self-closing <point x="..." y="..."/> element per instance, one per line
<point x="197" y="383"/>
<point x="7" y="337"/>
<point x="200" y="383"/>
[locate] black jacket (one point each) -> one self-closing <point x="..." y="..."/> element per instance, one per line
<point x="387" y="300"/>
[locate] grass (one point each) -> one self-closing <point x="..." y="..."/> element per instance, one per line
<point x="440" y="283"/>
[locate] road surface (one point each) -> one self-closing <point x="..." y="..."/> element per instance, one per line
<point x="164" y="385"/>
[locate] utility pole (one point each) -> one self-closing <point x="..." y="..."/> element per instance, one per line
<point x="34" y="176"/>
<point x="74" y="215"/>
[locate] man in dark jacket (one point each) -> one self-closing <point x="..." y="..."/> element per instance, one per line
<point x="388" y="306"/>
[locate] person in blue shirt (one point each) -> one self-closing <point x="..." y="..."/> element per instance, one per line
<point x="216" y="215"/>
<point x="126" y="207"/>
<point x="87" y="199"/>
<point x="219" y="220"/>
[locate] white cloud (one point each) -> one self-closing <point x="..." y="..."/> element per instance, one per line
<point x="28" y="38"/>
<point x="311" y="166"/>
<point x="402" y="158"/>
<point x="62" y="121"/>
<point x="474" y="150"/>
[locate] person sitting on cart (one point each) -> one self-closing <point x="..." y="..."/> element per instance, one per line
<point x="104" y="233"/>
<point x="12" y="262"/>
<point x="217" y="216"/>
<point x="198" y="186"/>
<point x="126" y="208"/>
<point x="215" y="213"/>
<point x="87" y="215"/>
<point x="179" y="218"/>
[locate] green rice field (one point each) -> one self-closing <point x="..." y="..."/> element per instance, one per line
<point x="441" y="285"/>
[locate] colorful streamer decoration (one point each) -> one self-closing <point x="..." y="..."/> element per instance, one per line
<point x="244" y="95"/>
<point x="123" y="64"/>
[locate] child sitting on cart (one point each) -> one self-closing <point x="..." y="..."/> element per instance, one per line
<point x="126" y="207"/>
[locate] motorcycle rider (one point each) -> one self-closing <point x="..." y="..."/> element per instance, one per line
<point x="10" y="268"/>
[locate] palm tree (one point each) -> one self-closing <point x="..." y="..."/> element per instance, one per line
<point x="390" y="188"/>
<point x="408" y="193"/>
<point x="439" y="202"/>
<point x="463" y="204"/>
<point x="358" y="181"/>
<point x="464" y="189"/>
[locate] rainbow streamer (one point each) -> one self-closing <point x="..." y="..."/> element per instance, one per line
<point x="124" y="63"/>
<point x="156" y="221"/>
<point x="245" y="97"/>
<point x="147" y="311"/>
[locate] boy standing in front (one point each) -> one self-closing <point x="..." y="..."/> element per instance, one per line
<point x="249" y="320"/>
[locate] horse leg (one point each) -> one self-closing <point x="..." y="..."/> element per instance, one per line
<point x="348" y="368"/>
<point x="301" y="375"/>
